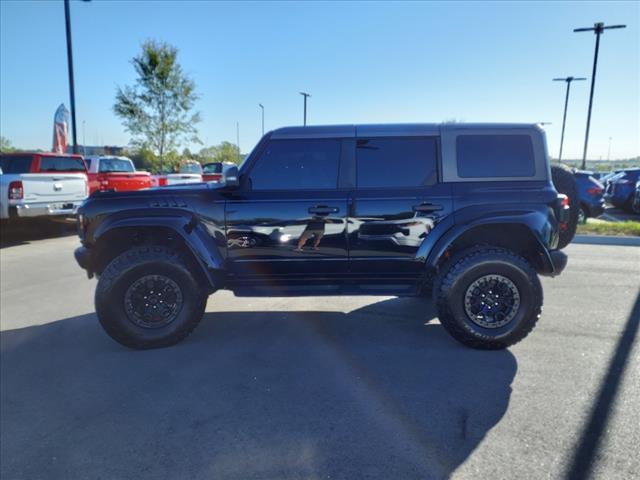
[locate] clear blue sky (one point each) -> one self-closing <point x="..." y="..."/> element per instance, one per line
<point x="362" y="62"/>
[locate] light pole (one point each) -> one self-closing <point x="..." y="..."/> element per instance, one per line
<point x="305" y="95"/>
<point x="72" y="94"/>
<point x="598" y="29"/>
<point x="609" y="150"/>
<point x="262" y="108"/>
<point x="566" y="102"/>
<point x="84" y="143"/>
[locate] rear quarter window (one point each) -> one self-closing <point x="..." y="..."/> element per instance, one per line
<point x="491" y="156"/>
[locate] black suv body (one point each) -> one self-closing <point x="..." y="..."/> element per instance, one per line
<point x="464" y="212"/>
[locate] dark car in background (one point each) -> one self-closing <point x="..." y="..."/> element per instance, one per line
<point x="621" y="188"/>
<point x="591" y="193"/>
<point x="636" y="199"/>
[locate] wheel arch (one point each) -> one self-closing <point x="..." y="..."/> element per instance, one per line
<point x="182" y="232"/>
<point x="516" y="236"/>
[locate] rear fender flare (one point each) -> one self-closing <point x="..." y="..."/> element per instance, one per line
<point x="534" y="221"/>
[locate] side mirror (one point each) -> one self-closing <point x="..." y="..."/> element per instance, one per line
<point x="231" y="177"/>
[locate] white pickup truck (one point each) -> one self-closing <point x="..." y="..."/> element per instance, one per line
<point x="189" y="172"/>
<point x="41" y="185"/>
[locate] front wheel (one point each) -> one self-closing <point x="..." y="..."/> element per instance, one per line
<point x="148" y="298"/>
<point x="488" y="298"/>
<point x="582" y="216"/>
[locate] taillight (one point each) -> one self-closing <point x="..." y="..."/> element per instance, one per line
<point x="16" y="192"/>
<point x="103" y="182"/>
<point x="563" y="211"/>
<point x="162" y="181"/>
<point x="594" y="191"/>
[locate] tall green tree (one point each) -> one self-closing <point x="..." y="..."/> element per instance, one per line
<point x="158" y="109"/>
<point x="5" y="145"/>
<point x="223" y="152"/>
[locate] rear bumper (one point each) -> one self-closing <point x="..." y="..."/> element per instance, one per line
<point x="30" y="210"/>
<point x="555" y="263"/>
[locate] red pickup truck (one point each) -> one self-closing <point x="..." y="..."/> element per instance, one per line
<point x="115" y="173"/>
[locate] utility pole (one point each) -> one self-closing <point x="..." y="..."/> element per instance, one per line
<point x="609" y="150"/>
<point x="72" y="94"/>
<point x="262" y="108"/>
<point x="568" y="80"/>
<point x="598" y="29"/>
<point x="84" y="143"/>
<point x="305" y="95"/>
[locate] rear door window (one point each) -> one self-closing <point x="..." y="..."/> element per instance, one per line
<point x="396" y="162"/>
<point x="304" y="164"/>
<point x="492" y="156"/>
<point x="16" y="163"/>
<point x="61" y="164"/>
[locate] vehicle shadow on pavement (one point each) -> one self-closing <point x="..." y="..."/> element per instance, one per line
<point x="373" y="393"/>
<point x="22" y="233"/>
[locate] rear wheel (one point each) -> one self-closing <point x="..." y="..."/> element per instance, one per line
<point x="564" y="182"/>
<point x="488" y="298"/>
<point x="148" y="298"/>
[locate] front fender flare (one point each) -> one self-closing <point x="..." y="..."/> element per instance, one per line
<point x="185" y="224"/>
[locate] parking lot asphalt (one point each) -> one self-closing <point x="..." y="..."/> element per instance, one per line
<point x="618" y="215"/>
<point x="305" y="388"/>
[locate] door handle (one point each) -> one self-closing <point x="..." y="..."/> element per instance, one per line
<point x="323" y="210"/>
<point x="427" y="207"/>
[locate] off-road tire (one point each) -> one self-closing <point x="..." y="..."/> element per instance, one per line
<point x="132" y="265"/>
<point x="461" y="271"/>
<point x="564" y="182"/>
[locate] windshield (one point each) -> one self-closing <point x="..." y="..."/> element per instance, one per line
<point x="212" y="168"/>
<point x="116" y="165"/>
<point x="190" y="168"/>
<point x="16" y="163"/>
<point x="62" y="164"/>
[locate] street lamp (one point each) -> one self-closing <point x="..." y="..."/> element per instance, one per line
<point x="566" y="102"/>
<point x="598" y="29"/>
<point x="262" y="108"/>
<point x="305" y="95"/>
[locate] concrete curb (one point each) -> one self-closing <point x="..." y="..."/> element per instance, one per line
<point x="606" y="240"/>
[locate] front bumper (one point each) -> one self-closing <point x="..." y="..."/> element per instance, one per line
<point x="554" y="264"/>
<point x="597" y="209"/>
<point x="83" y="257"/>
<point x="30" y="210"/>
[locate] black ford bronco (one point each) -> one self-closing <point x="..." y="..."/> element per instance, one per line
<point x="467" y="213"/>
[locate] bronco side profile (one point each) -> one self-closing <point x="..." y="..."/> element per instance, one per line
<point x="466" y="213"/>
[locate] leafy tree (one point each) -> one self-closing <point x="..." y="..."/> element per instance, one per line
<point x="143" y="159"/>
<point x="5" y="145"/>
<point x="224" y="152"/>
<point x="157" y="110"/>
<point x="186" y="153"/>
